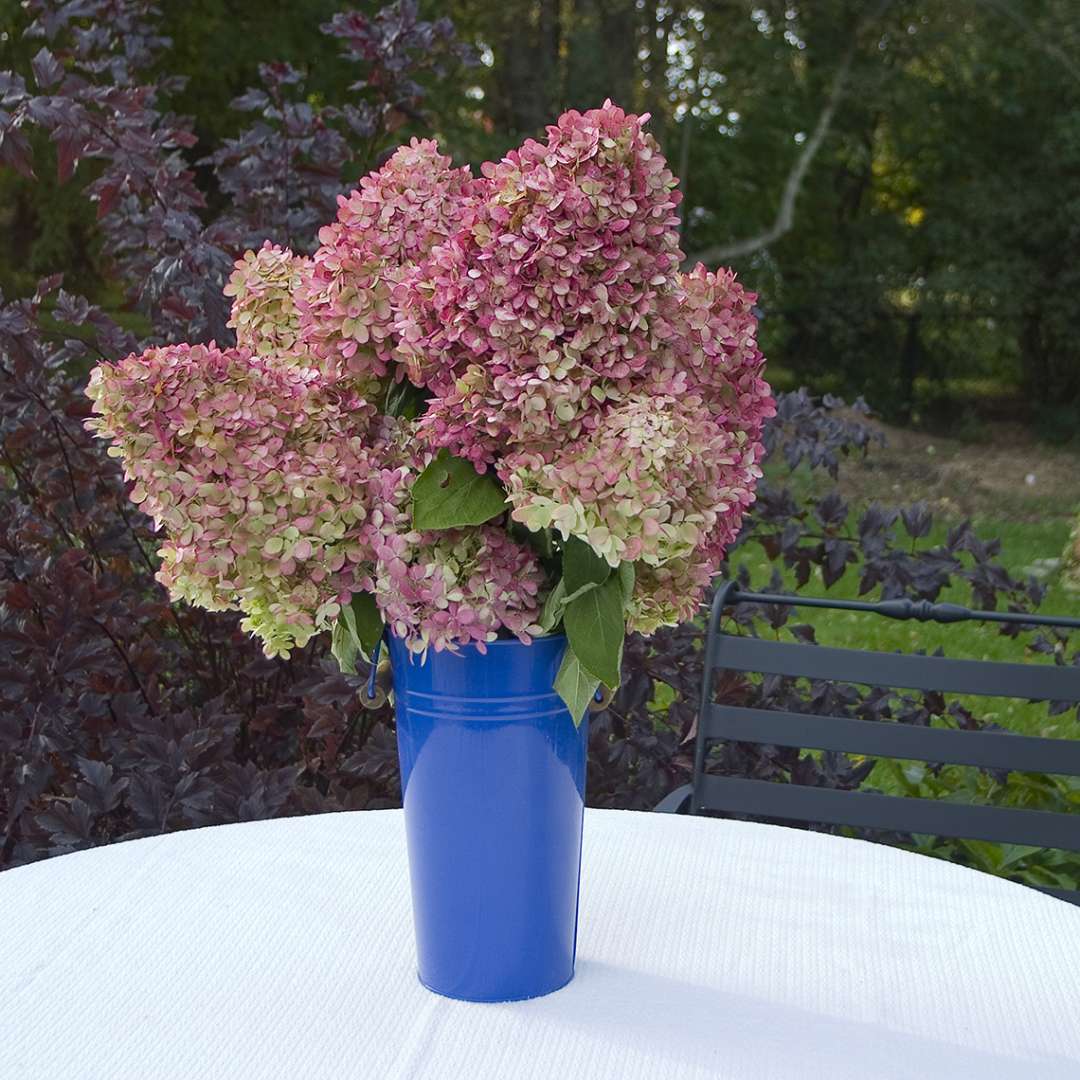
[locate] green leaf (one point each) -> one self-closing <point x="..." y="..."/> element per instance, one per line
<point x="986" y="856"/>
<point x="596" y="625"/>
<point x="540" y="540"/>
<point x="553" y="607"/>
<point x="557" y="601"/>
<point x="575" y="686"/>
<point x="1011" y="854"/>
<point x="626" y="579"/>
<point x="343" y="646"/>
<point x="356" y="631"/>
<point x="367" y="620"/>
<point x="404" y="400"/>
<point x="587" y="587"/>
<point x="543" y="542"/>
<point x="582" y="566"/>
<point x="450" y="493"/>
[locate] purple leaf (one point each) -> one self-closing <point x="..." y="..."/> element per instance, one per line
<point x="14" y="149"/>
<point x="48" y="71"/>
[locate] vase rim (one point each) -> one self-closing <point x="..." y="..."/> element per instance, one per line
<point x="498" y="642"/>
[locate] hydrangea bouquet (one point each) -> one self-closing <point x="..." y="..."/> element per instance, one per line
<point x="485" y="406"/>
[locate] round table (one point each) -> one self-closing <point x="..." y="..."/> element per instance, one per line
<point x="283" y="949"/>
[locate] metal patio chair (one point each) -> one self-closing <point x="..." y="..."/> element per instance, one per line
<point x="708" y="793"/>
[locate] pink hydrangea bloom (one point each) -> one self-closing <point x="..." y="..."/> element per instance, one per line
<point x="542" y="310"/>
<point x="258" y="475"/>
<point x="525" y="318"/>
<point x="393" y="219"/>
<point x="709" y="331"/>
<point x="444" y="589"/>
<point x="263" y="287"/>
<point x="669" y="594"/>
<point x="654" y="481"/>
<point x="458" y="587"/>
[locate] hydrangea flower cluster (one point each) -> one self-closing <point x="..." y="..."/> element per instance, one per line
<point x="709" y="335"/>
<point x="256" y="472"/>
<point x="443" y="589"/>
<point x="537" y="312"/>
<point x="540" y="316"/>
<point x="670" y="594"/>
<point x="650" y="483"/>
<point x="389" y="223"/>
<point x="264" y="287"/>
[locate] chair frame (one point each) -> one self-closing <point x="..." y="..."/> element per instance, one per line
<point x="985" y="749"/>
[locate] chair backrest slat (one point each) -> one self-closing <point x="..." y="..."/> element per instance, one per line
<point x="1071" y="896"/>
<point x="877" y="738"/>
<point x="1030" y="681"/>
<point x="795" y="802"/>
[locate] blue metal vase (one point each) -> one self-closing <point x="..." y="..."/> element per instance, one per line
<point x="493" y="782"/>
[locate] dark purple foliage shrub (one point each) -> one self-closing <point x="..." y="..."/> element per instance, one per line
<point x="91" y="88"/>
<point x="122" y="715"/>
<point x="283" y="173"/>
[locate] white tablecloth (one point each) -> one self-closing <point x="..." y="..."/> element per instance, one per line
<point x="283" y="949"/>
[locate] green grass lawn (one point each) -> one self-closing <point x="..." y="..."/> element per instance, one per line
<point x="1022" y="545"/>
<point x="1015" y="489"/>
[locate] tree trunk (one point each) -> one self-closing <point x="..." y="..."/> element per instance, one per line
<point x="602" y="60"/>
<point x="527" y="67"/>
<point x="654" y="44"/>
<point x="910" y="365"/>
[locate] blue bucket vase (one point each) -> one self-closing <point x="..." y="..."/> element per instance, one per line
<point x="493" y="782"/>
